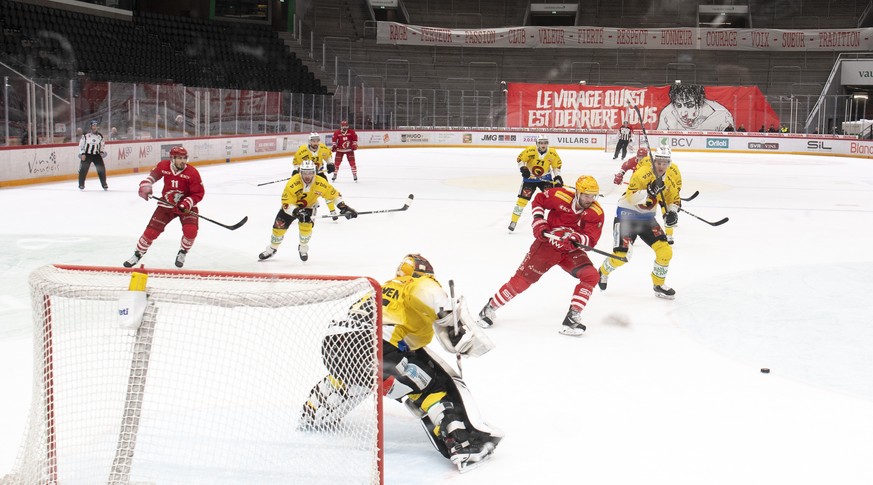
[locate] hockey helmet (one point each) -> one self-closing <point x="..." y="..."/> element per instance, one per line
<point x="344" y="124"/>
<point x="642" y="152"/>
<point x="414" y="265"/>
<point x="542" y="139"/>
<point x="663" y="154"/>
<point x="178" y="151"/>
<point x="307" y="171"/>
<point x="587" y="184"/>
<point x="94" y="123"/>
<point x="314" y="137"/>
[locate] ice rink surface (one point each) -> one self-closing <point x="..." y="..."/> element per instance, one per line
<point x="655" y="392"/>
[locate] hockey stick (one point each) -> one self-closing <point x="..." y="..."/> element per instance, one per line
<point x="716" y="223"/>
<point x="275" y="182"/>
<point x="232" y="228"/>
<point x="382" y="211"/>
<point x="455" y="322"/>
<point x="691" y="197"/>
<point x="589" y="248"/>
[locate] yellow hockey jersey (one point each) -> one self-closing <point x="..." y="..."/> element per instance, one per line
<point x="297" y="194"/>
<point x="636" y="198"/>
<point x="540" y="165"/>
<point x="320" y="157"/>
<point x="409" y="307"/>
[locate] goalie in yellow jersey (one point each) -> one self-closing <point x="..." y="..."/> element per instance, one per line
<point x="322" y="157"/>
<point x="540" y="168"/>
<point x="651" y="184"/>
<point x="300" y="202"/>
<point x="415" y="308"/>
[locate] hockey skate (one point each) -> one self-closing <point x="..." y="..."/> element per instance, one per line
<point x="512" y="226"/>
<point x="303" y="249"/>
<point x="665" y="292"/>
<point x="572" y="325"/>
<point x="334" y="215"/>
<point x="268" y="253"/>
<point x="180" y="258"/>
<point x="603" y="279"/>
<point x="355" y="178"/>
<point x="105" y="187"/>
<point x="475" y="449"/>
<point x="333" y="179"/>
<point x="487" y="315"/>
<point x="133" y="259"/>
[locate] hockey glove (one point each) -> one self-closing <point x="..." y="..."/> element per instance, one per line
<point x="558" y="182"/>
<point x="671" y="218"/>
<point x="566" y="239"/>
<point x="302" y="215"/>
<point x="525" y="172"/>
<point x="145" y="189"/>
<point x="346" y="211"/>
<point x="540" y="228"/>
<point x="333" y="148"/>
<point x="184" y="205"/>
<point x="654" y="188"/>
<point x="618" y="177"/>
<point x="331" y="168"/>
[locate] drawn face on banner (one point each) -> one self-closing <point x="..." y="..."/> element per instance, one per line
<point x="687" y="109"/>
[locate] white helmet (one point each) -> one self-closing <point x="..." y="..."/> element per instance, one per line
<point x="308" y="166"/>
<point x="663" y="154"/>
<point x="314" y="137"/>
<point x="542" y="138"/>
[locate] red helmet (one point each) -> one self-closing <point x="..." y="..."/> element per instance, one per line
<point x="178" y="151"/>
<point x="414" y="265"/>
<point x="344" y="123"/>
<point x="642" y="152"/>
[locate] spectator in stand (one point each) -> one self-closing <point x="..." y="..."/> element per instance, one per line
<point x="784" y="129"/>
<point x="729" y="128"/>
<point x="113" y="133"/>
<point x="179" y="127"/>
<point x="741" y="128"/>
<point x="772" y="129"/>
<point x="762" y="129"/>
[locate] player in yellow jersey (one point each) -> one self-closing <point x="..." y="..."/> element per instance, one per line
<point x="673" y="172"/>
<point x="300" y="201"/>
<point x="540" y="168"/>
<point x="415" y="308"/>
<point x="321" y="156"/>
<point x="650" y="184"/>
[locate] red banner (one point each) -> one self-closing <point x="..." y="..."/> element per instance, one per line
<point x="679" y="107"/>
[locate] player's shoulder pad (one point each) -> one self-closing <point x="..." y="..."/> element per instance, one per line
<point x="596" y="207"/>
<point x="562" y="193"/>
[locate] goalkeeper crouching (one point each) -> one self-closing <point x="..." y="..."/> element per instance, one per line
<point x="415" y="309"/>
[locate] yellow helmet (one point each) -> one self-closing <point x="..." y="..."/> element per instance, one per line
<point x="414" y="265"/>
<point x="587" y="184"/>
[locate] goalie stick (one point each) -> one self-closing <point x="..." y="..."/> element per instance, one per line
<point x="589" y="248"/>
<point x="455" y="323"/>
<point x="382" y="211"/>
<point x="232" y="228"/>
<point x="716" y="223"/>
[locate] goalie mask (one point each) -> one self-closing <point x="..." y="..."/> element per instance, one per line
<point x="414" y="265"/>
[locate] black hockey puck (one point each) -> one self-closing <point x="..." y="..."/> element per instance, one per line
<point x="765" y="370"/>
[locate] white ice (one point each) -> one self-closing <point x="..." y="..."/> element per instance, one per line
<point x="655" y="392"/>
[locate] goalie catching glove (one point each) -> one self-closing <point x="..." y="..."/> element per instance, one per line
<point x="468" y="341"/>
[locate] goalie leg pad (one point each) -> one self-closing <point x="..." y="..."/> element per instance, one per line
<point x="329" y="401"/>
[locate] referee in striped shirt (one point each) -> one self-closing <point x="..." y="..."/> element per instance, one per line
<point x="91" y="150"/>
<point x="624" y="136"/>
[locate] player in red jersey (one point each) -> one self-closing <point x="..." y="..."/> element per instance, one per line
<point x="345" y="142"/>
<point x="630" y="165"/>
<point x="573" y="220"/>
<point x="183" y="190"/>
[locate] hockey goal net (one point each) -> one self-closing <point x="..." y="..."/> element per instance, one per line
<point x="208" y="388"/>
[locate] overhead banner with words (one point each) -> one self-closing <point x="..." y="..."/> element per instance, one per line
<point x="679" y="107"/>
<point x="843" y="40"/>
